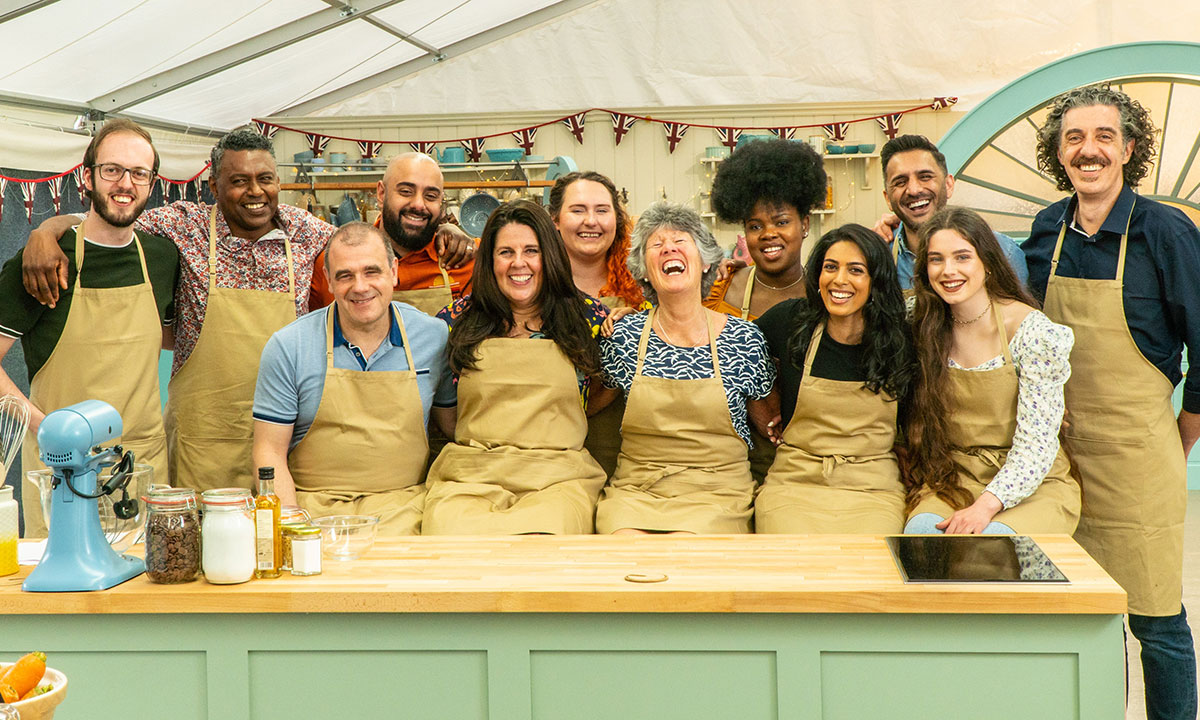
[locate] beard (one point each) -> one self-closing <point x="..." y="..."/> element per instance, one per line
<point x="120" y="217"/>
<point x="402" y="237"/>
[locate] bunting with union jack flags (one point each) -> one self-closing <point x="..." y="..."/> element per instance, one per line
<point x="474" y="148"/>
<point x="56" y="188"/>
<point x="3" y="187"/>
<point x="890" y="124"/>
<point x="784" y="133"/>
<point x="369" y="148"/>
<point x="525" y="138"/>
<point x="316" y="143"/>
<point x="942" y="102"/>
<point x="266" y="129"/>
<point x="729" y="136"/>
<point x="77" y="173"/>
<point x="423" y="146"/>
<point x="836" y="131"/>
<point x="28" y="189"/>
<point x="621" y="124"/>
<point x="675" y="132"/>
<point x="575" y="125"/>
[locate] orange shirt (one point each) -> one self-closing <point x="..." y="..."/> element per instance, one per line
<point x="418" y="270"/>
<point x="716" y="300"/>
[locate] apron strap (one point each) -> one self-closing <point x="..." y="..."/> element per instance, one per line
<point x="897" y="238"/>
<point x="330" y="312"/>
<point x="1062" y="233"/>
<point x="645" y="340"/>
<point x="749" y="291"/>
<point x="212" y="255"/>
<point x="999" y="316"/>
<point x="445" y="275"/>
<point x="403" y="335"/>
<point x="393" y="314"/>
<point x="80" y="234"/>
<point x="812" y="348"/>
<point x="712" y="344"/>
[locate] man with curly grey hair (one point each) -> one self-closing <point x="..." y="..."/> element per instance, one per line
<point x="1123" y="271"/>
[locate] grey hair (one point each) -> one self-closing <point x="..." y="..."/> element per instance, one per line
<point x="243" y="138"/>
<point x="673" y="216"/>
<point x="358" y="233"/>
<point x="1136" y="125"/>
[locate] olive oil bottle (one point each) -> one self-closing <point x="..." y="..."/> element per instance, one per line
<point x="268" y="547"/>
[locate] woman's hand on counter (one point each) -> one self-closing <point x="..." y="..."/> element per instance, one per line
<point x="973" y="519"/>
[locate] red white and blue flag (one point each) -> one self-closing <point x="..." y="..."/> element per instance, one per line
<point x="316" y="143"/>
<point x="369" y="148"/>
<point x="474" y="148"/>
<point x="77" y="173"/>
<point x="575" y="125"/>
<point x="890" y="124"/>
<point x="423" y="146"/>
<point x="266" y="129"/>
<point x="525" y="138"/>
<point x="729" y="136"/>
<point x="836" y="131"/>
<point x="621" y="124"/>
<point x="942" y="102"/>
<point x="3" y="187"/>
<point x="784" y="133"/>
<point x="27" y="192"/>
<point x="675" y="132"/>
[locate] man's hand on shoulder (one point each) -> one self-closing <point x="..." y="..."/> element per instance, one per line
<point x="44" y="265"/>
<point x="886" y="227"/>
<point x="453" y="246"/>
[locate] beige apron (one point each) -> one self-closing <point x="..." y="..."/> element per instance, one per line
<point x="982" y="423"/>
<point x="1125" y="441"/>
<point x="210" y="400"/>
<point x="835" y="471"/>
<point x="912" y="290"/>
<point x="108" y="351"/>
<point x="604" y="428"/>
<point x="428" y="300"/>
<point x="517" y="464"/>
<point x="364" y="453"/>
<point x="682" y="466"/>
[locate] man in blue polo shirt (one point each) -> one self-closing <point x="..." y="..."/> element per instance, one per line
<point x="916" y="185"/>
<point x="345" y="394"/>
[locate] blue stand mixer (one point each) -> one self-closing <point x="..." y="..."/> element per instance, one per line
<point x="78" y="557"/>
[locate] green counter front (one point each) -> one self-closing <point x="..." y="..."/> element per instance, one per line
<point x="550" y="627"/>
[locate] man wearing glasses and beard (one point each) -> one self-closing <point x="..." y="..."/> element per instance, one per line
<point x="102" y="339"/>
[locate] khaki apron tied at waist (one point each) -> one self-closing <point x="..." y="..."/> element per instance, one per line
<point x="835" y="471"/>
<point x="108" y="350"/>
<point x="683" y="466"/>
<point x="982" y="423"/>
<point x="210" y="400"/>
<point x="604" y="428"/>
<point x="517" y="464"/>
<point x="1124" y="440"/>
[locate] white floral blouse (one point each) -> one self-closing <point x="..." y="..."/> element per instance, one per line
<point x="1041" y="351"/>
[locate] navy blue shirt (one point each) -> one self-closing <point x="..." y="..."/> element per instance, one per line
<point x="1162" y="275"/>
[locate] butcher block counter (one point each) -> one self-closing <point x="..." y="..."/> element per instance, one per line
<point x="588" y="627"/>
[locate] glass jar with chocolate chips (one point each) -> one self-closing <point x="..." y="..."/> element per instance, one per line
<point x="172" y="536"/>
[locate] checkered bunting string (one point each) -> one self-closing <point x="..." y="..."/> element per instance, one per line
<point x="729" y="136"/>
<point x="28" y="189"/>
<point x="675" y="132"/>
<point x="474" y="148"/>
<point x="621" y="124"/>
<point x="371" y="148"/>
<point x="890" y="124"/>
<point x="316" y="143"/>
<point x="836" y="131"/>
<point x="575" y="125"/>
<point x="525" y="138"/>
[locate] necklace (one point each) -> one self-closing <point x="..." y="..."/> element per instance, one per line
<point x="663" y="329"/>
<point x="758" y="280"/>
<point x="974" y="319"/>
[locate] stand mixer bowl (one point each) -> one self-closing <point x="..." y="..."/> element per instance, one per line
<point x="121" y="534"/>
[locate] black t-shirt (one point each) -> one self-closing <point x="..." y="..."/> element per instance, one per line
<point x="833" y="361"/>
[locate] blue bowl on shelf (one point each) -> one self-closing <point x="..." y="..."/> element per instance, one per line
<point x="505" y="154"/>
<point x="848" y="149"/>
<point x="866" y="148"/>
<point x="834" y="148"/>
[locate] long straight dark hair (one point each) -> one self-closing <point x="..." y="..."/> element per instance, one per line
<point x="928" y="463"/>
<point x="888" y="359"/>
<point x="565" y="316"/>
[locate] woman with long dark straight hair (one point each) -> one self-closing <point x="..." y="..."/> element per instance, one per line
<point x="523" y="346"/>
<point x="847" y="364"/>
<point x="983" y="434"/>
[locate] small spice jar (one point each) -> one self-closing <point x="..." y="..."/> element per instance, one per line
<point x="290" y="516"/>
<point x="227" y="536"/>
<point x="172" y="535"/>
<point x="305" y="545"/>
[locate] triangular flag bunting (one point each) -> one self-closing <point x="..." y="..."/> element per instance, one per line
<point x="3" y="187"/>
<point x="316" y="143"/>
<point x="370" y="148"/>
<point x="474" y="148"/>
<point x="267" y="130"/>
<point x="729" y="136"/>
<point x="784" y="133"/>
<point x="27" y="192"/>
<point x="890" y="124"/>
<point x="77" y="174"/>
<point x="621" y="124"/>
<point x="836" y="131"/>
<point x="575" y="125"/>
<point x="675" y="132"/>
<point x="942" y="102"/>
<point x="525" y="138"/>
<point x="56" y="188"/>
<point x="423" y="146"/>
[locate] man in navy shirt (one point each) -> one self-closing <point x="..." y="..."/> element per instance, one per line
<point x="1124" y="272"/>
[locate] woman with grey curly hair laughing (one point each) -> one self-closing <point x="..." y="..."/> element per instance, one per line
<point x="688" y="374"/>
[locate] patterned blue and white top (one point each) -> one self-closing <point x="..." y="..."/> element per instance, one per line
<point x="1041" y="351"/>
<point x="747" y="372"/>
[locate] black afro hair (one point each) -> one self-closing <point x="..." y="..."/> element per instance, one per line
<point x="773" y="171"/>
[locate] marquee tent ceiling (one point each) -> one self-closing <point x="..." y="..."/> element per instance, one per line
<point x="215" y="64"/>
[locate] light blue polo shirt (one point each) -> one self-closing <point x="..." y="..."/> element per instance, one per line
<point x="291" y="374"/>
<point x="907" y="260"/>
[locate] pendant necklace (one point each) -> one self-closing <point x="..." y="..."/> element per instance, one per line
<point x="758" y="280"/>
<point x="974" y="319"/>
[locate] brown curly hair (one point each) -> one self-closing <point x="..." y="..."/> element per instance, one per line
<point x="1136" y="125"/>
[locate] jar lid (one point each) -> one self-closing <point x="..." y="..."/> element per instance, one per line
<point x="293" y="513"/>
<point x="305" y="531"/>
<point x="226" y="497"/>
<point x="170" y="498"/>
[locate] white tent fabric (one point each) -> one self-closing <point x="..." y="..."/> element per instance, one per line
<point x="218" y="63"/>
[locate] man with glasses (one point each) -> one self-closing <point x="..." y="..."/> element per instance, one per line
<point x="102" y="338"/>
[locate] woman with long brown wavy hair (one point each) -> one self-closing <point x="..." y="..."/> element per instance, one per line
<point x="983" y="448"/>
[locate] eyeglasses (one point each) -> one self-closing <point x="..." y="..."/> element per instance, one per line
<point x="113" y="172"/>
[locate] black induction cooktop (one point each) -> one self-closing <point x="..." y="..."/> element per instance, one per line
<point x="972" y="559"/>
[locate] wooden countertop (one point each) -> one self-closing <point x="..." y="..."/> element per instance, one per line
<point x="717" y="573"/>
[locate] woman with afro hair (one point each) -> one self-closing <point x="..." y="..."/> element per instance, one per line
<point x="769" y="187"/>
